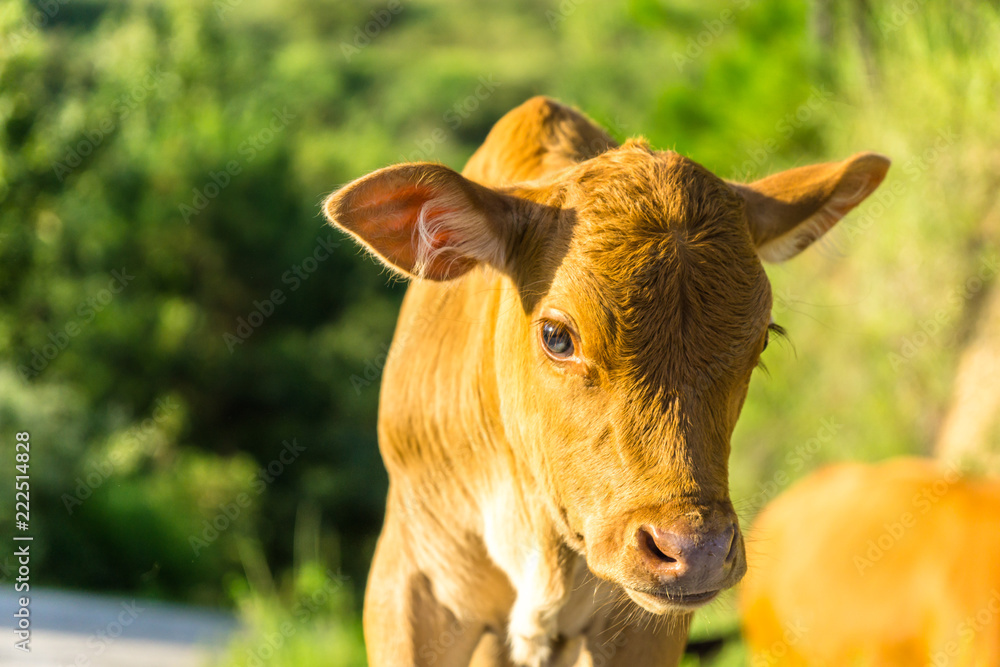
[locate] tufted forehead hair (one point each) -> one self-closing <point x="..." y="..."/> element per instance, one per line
<point x="650" y="192"/>
<point x="667" y="255"/>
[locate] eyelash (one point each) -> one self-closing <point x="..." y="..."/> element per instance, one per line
<point x="778" y="331"/>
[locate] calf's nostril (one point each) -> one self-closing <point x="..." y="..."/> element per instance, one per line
<point x="733" y="544"/>
<point x="650" y="544"/>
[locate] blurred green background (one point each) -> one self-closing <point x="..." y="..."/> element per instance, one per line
<point x="197" y="357"/>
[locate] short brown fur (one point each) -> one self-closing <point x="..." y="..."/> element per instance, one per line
<point x="517" y="475"/>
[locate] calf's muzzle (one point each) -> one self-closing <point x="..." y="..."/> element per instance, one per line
<point x="688" y="565"/>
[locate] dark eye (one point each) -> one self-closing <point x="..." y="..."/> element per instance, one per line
<point x="777" y="329"/>
<point x="557" y="340"/>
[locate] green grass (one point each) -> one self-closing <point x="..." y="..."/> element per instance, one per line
<point x="307" y="617"/>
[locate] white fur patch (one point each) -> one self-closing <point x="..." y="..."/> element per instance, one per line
<point x="467" y="231"/>
<point x="533" y="619"/>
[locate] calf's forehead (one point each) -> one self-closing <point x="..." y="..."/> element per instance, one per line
<point x="661" y="268"/>
<point x="636" y="192"/>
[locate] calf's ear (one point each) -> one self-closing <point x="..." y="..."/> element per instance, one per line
<point x="425" y="220"/>
<point x="789" y="210"/>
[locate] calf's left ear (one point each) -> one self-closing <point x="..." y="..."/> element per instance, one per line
<point x="425" y="220"/>
<point x="789" y="210"/>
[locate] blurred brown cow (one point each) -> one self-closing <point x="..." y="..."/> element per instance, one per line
<point x="891" y="564"/>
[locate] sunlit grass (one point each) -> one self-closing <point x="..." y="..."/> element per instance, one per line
<point x="308" y="618"/>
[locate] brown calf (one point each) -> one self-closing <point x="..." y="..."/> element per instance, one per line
<point x="889" y="565"/>
<point x="567" y="369"/>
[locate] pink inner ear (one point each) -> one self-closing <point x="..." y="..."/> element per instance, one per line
<point x="398" y="207"/>
<point x="400" y="210"/>
<point x="389" y="218"/>
<point x="423" y="220"/>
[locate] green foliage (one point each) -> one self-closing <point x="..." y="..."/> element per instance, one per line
<point x="174" y="310"/>
<point x="311" y="621"/>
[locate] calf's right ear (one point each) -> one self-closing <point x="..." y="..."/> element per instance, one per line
<point x="425" y="220"/>
<point x="789" y="210"/>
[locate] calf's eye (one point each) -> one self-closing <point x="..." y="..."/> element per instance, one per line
<point x="557" y="340"/>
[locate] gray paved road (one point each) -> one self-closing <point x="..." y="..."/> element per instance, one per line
<point x="82" y="630"/>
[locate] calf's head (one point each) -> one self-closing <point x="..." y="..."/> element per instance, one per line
<point x="638" y="309"/>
